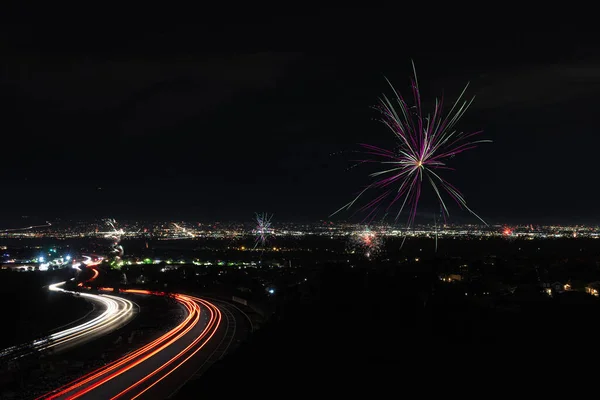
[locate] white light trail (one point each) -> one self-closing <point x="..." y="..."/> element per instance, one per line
<point x="118" y="311"/>
<point x="27" y="228"/>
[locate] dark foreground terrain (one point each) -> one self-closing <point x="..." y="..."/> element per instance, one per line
<point x="30" y="310"/>
<point x="395" y="331"/>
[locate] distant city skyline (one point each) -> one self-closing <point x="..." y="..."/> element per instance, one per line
<point x="26" y="221"/>
<point x="190" y="227"/>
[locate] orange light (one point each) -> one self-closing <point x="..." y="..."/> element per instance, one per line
<point x="213" y="310"/>
<point x="104" y="374"/>
<point x="111" y="366"/>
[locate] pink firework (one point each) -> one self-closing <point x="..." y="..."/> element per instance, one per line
<point x="425" y="141"/>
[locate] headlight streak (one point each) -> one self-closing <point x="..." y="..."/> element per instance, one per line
<point x="101" y="376"/>
<point x="117" y="312"/>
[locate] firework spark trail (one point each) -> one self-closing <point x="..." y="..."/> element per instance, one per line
<point x="436" y="233"/>
<point x="116" y="233"/>
<point x="425" y="142"/>
<point x="262" y="229"/>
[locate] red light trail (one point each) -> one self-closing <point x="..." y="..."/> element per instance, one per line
<point x="140" y="371"/>
<point x="94" y="276"/>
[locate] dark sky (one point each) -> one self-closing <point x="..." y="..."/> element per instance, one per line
<point x="233" y="115"/>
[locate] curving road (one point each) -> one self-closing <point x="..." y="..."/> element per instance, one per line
<point x="154" y="370"/>
<point x="116" y="312"/>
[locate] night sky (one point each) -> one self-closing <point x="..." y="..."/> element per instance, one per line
<point x="219" y="120"/>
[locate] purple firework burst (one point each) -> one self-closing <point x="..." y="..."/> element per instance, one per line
<point x="425" y="141"/>
<point x="263" y="229"/>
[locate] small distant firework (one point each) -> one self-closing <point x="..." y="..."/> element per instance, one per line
<point x="425" y="142"/>
<point x="115" y="235"/>
<point x="183" y="231"/>
<point x="367" y="242"/>
<point x="263" y="229"/>
<point x="509" y="233"/>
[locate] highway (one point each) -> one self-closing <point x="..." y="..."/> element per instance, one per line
<point x="115" y="313"/>
<point x="157" y="369"/>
